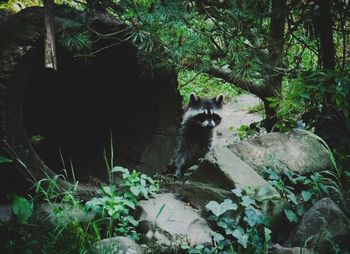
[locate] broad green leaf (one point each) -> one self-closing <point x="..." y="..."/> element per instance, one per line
<point x="132" y="221"/>
<point x="293" y="198"/>
<point x="129" y="204"/>
<point x="4" y="159"/>
<point x="135" y="190"/>
<point x="222" y="224"/>
<point x="247" y="201"/>
<point x="23" y="209"/>
<point x="292" y="217"/>
<point x="214" y="207"/>
<point x="253" y="216"/>
<point x="237" y="191"/>
<point x="267" y="234"/>
<point x="217" y="237"/>
<point x="242" y="238"/>
<point x="120" y="170"/>
<point x="307" y="195"/>
<point x="109" y="190"/>
<point x="228" y="205"/>
<point x="94" y="204"/>
<point x="263" y="191"/>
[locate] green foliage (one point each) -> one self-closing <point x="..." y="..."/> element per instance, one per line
<point x="114" y="205"/>
<point x="301" y="191"/>
<point x="22" y="208"/>
<point x="136" y="185"/>
<point x="4" y="159"/>
<point x="17" y="5"/>
<point x="204" y="86"/>
<point x="244" y="132"/>
<point x="240" y="221"/>
<point x="76" y="41"/>
<point x="303" y="99"/>
<point x="75" y="37"/>
<point x="259" y="109"/>
<point x="111" y="216"/>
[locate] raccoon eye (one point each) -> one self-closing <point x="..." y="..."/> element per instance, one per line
<point x="216" y="118"/>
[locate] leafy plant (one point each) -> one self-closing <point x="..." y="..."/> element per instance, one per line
<point x="114" y="204"/>
<point x="245" y="131"/>
<point x="240" y="221"/>
<point x="300" y="191"/>
<point x="22" y="208"/>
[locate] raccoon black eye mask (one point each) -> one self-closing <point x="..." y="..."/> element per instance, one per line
<point x="206" y="119"/>
<point x="195" y="135"/>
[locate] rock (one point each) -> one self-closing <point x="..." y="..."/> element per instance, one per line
<point x="117" y="245"/>
<point x="278" y="249"/>
<point x="60" y="214"/>
<point x="220" y="172"/>
<point x="165" y="220"/>
<point x="322" y="225"/>
<point x="5" y="214"/>
<point x="296" y="151"/>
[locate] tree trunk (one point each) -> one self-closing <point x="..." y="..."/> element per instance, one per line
<point x="326" y="35"/>
<point x="327" y="49"/>
<point x="329" y="122"/>
<point x="274" y="83"/>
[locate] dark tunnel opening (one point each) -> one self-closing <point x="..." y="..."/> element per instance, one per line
<point x="73" y="112"/>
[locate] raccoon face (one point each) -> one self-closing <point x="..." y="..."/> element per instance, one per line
<point x="204" y="111"/>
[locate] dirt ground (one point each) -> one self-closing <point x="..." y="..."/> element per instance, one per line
<point x="234" y="114"/>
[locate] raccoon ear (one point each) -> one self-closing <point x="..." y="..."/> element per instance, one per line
<point x="194" y="98"/>
<point x="219" y="100"/>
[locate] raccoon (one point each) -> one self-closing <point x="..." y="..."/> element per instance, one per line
<point x="195" y="136"/>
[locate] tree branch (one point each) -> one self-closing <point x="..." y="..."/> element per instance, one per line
<point x="225" y="74"/>
<point x="50" y="43"/>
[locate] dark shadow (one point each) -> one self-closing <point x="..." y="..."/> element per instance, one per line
<point x="77" y="108"/>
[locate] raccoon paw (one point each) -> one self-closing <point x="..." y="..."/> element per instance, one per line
<point x="178" y="174"/>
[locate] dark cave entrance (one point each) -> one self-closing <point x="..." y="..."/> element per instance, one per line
<point x="77" y="110"/>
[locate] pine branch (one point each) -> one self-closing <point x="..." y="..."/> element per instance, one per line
<point x="226" y="75"/>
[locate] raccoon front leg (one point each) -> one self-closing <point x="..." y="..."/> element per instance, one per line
<point x="182" y="162"/>
<point x="179" y="165"/>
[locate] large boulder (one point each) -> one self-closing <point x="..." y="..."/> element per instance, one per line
<point x="165" y="220"/>
<point x="321" y="226"/>
<point x="117" y="245"/>
<point x="220" y="172"/>
<point x="297" y="151"/>
<point x="278" y="249"/>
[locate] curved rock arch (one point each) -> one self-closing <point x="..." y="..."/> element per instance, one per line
<point x="19" y="58"/>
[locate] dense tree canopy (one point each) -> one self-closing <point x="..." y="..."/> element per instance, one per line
<point x="293" y="54"/>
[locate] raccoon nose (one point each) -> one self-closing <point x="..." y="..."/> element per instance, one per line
<point x="210" y="125"/>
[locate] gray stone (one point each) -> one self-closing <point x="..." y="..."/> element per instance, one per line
<point x="322" y="224"/>
<point x="117" y="245"/>
<point x="220" y="172"/>
<point x="296" y="151"/>
<point x="278" y="249"/>
<point x="5" y="214"/>
<point x="54" y="214"/>
<point x="165" y="220"/>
